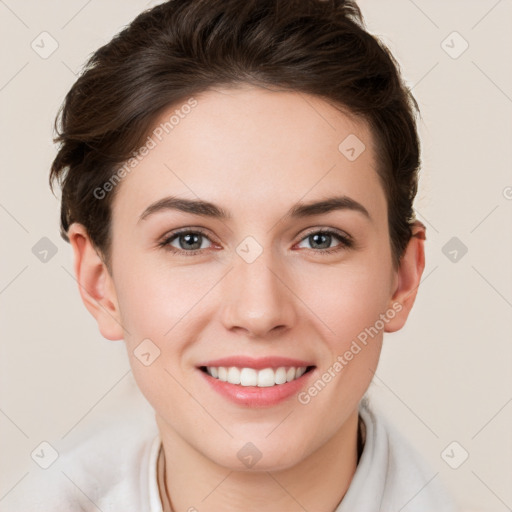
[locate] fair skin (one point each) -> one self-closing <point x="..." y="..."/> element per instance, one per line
<point x="255" y="153"/>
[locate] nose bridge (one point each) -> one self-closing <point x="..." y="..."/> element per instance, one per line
<point x="254" y="295"/>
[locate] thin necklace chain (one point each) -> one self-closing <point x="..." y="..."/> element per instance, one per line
<point x="162" y="482"/>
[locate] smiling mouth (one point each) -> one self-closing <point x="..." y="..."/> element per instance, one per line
<point x="264" y="378"/>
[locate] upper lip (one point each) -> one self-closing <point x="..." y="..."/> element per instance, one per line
<point x="256" y="363"/>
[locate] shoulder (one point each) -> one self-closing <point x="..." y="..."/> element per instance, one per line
<point x="391" y="474"/>
<point x="102" y="467"/>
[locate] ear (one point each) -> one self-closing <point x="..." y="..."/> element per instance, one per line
<point x="409" y="275"/>
<point x="95" y="283"/>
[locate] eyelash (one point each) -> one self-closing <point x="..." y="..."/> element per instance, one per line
<point x="345" y="241"/>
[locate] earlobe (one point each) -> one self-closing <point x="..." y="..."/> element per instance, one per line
<point x="95" y="283"/>
<point x="409" y="275"/>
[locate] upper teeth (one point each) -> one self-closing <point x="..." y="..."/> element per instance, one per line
<point x="251" y="377"/>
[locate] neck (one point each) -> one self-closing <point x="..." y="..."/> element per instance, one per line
<point x="318" y="482"/>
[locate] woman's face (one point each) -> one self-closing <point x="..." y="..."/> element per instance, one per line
<point x="259" y="287"/>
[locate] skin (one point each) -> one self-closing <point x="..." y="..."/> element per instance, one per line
<point x="255" y="153"/>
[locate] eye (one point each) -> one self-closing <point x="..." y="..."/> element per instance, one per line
<point x="191" y="242"/>
<point x="186" y="241"/>
<point x="322" y="239"/>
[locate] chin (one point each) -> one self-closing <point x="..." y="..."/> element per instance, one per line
<point x="260" y="454"/>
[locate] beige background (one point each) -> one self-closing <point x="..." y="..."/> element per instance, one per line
<point x="445" y="377"/>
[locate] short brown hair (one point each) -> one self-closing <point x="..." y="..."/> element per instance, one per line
<point x="184" y="47"/>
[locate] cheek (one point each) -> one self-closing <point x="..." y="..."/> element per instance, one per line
<point x="155" y="305"/>
<point x="352" y="306"/>
<point x="347" y="300"/>
<point x="154" y="298"/>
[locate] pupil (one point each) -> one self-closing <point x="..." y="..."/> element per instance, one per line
<point x="324" y="236"/>
<point x="190" y="241"/>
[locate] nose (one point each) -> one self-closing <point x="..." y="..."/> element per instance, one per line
<point x="257" y="298"/>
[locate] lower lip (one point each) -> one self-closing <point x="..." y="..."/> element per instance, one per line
<point x="254" y="396"/>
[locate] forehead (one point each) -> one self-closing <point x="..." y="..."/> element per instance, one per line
<point x="252" y="147"/>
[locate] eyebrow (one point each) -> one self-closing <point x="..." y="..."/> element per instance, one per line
<point x="207" y="209"/>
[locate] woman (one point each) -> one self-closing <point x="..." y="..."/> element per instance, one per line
<point x="237" y="187"/>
